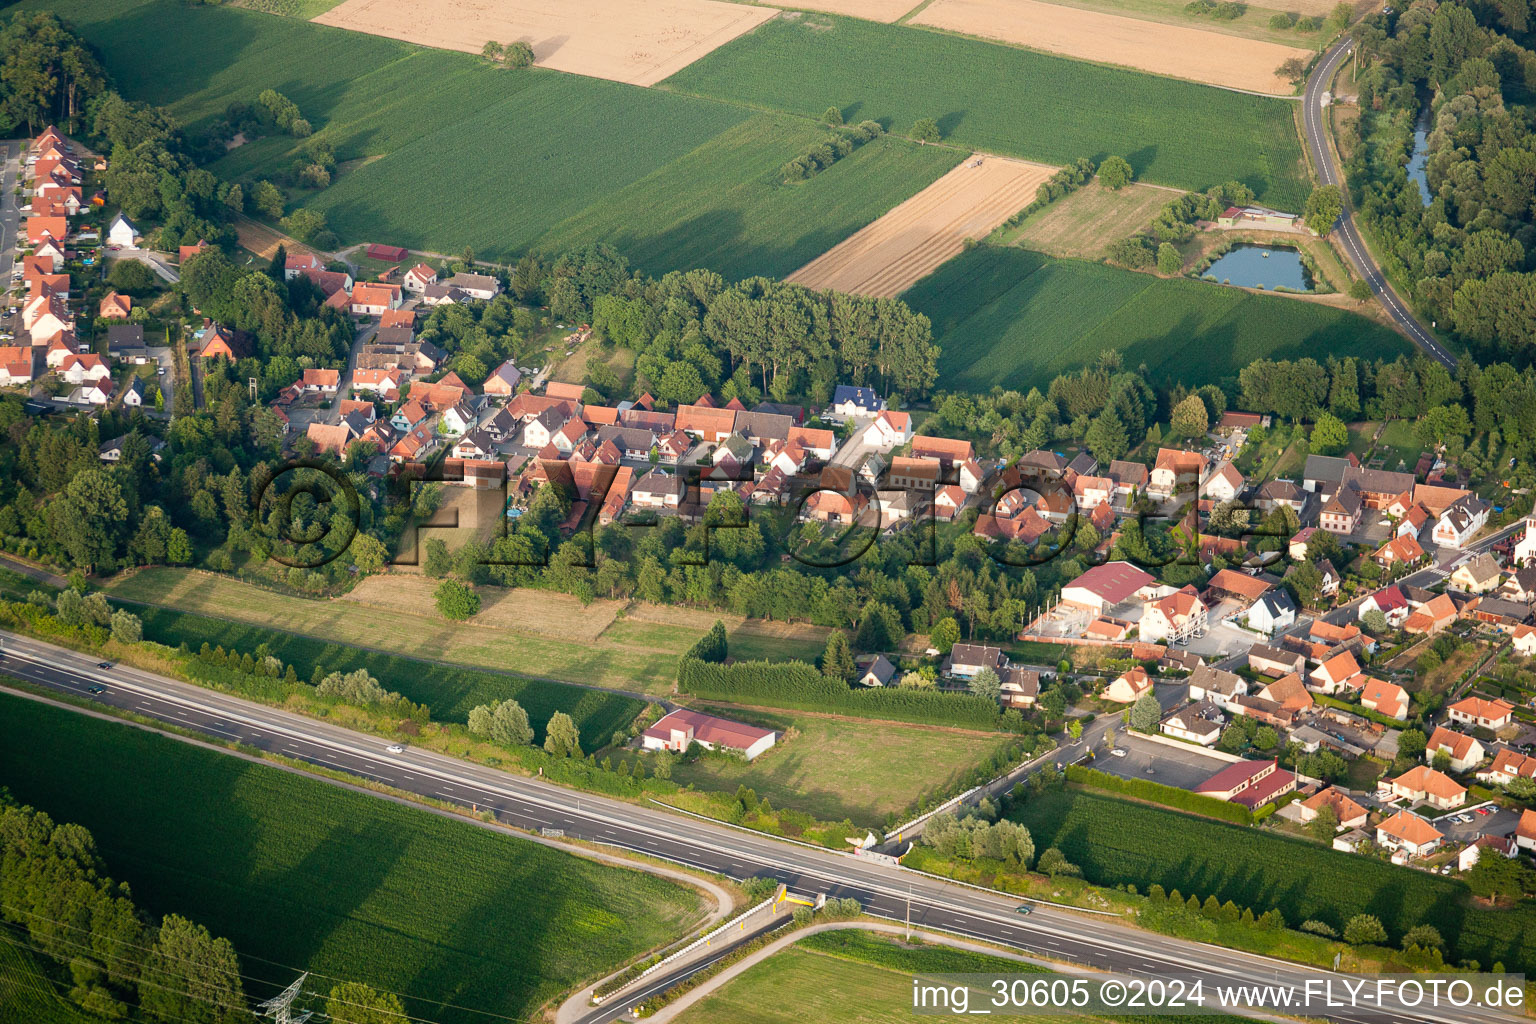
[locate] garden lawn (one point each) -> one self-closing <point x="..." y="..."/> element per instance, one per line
<point x="1014" y="318"/>
<point x="439" y="150"/>
<point x="836" y="768"/>
<point x="1117" y="842"/>
<point x="301" y="875"/>
<point x="1010" y="101"/>
<point x="449" y="691"/>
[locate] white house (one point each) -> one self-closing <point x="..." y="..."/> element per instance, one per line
<point x="1460" y="521"/>
<point x="854" y="402"/>
<point x="1409" y="833"/>
<point x="418" y="277"/>
<point x="1272" y="612"/>
<point x="887" y="430"/>
<point x="122" y="232"/>
<point x="678" y="730"/>
<point x="1224" y="483"/>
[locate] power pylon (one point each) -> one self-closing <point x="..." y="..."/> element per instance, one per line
<point x="280" y="1006"/>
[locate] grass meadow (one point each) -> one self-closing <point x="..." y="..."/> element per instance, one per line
<point x="1010" y="101"/>
<point x="438" y="150"/>
<point x="299" y="874"/>
<point x="1016" y="318"/>
<point x="451" y="692"/>
<point x="837" y="768"/>
<point x="1119" y="841"/>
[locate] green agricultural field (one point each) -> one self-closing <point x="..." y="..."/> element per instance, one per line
<point x="449" y="691"/>
<point x="29" y="994"/>
<point x="1016" y="318"/>
<point x="438" y="150"/>
<point x="299" y="874"/>
<point x="836" y="768"/>
<point x="1002" y="99"/>
<point x="1117" y="841"/>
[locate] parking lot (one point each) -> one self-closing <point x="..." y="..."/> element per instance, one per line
<point x="1500" y="822"/>
<point x="1171" y="766"/>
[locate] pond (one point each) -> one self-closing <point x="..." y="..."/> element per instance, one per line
<point x="1420" y="157"/>
<point x="1261" y="266"/>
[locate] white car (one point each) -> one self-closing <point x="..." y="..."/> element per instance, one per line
<point x="396" y="748"/>
<point x="1117" y="752"/>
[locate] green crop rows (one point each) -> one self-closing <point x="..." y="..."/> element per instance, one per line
<point x="1006" y="100"/>
<point x="448" y="691"/>
<point x="1117" y="841"/>
<point x="299" y="874"/>
<point x="1015" y="318"/>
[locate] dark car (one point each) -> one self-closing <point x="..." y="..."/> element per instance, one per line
<point x="97" y="689"/>
<point x="104" y="664"/>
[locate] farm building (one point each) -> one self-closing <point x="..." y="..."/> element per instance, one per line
<point x="676" y="731"/>
<point x="387" y="253"/>
<point x="1256" y="217"/>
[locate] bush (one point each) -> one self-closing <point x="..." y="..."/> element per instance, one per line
<point x="456" y="600"/>
<point x="1156" y="792"/>
<point x="1365" y="930"/>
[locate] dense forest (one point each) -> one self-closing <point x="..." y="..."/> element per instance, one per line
<point x="1468" y="256"/>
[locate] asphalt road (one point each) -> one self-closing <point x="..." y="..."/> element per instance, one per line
<point x="1315" y="128"/>
<point x="887" y="892"/>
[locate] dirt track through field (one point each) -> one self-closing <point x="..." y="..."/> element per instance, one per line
<point x="1211" y="57"/>
<point x="907" y="244"/>
<point x="635" y="41"/>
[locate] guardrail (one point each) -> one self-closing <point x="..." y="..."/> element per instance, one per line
<point x="703" y="940"/>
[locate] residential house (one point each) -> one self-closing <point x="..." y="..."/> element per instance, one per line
<point x="503" y="380"/>
<point x="887" y="430"/>
<point x="1093" y="491"/>
<point x="1339" y="672"/>
<point x="1273" y="612"/>
<point x="1400" y="550"/>
<point x="86" y="367"/>
<point x="1461" y="521"/>
<point x="1378" y="488"/>
<point x="681" y="729"/>
<point x="1020" y="687"/>
<point x="115" y="306"/>
<point x="371" y="298"/>
<point x="418" y="277"/>
<point x="1275" y="494"/>
<point x="1199" y="722"/>
<point x="1297" y="546"/>
<point x="1481" y="712"/>
<point x="946" y="450"/>
<point x="1432" y="616"/>
<point x="1385" y="698"/>
<point x="1175" y="619"/>
<point x="1349" y="813"/>
<point x="1342" y="511"/>
<point x="815" y="441"/>
<point x="1464" y="751"/>
<point x="1390" y="602"/>
<point x="658" y="489"/>
<point x="321" y="382"/>
<point x="966" y="661"/>
<point x="18" y="365"/>
<point x="1508" y="765"/>
<point x="1275" y="661"/>
<point x="1216" y="685"/>
<point x="761" y="428"/>
<point x="92" y="393"/>
<point x="849" y="402"/>
<point x="1239" y="585"/>
<point x="1479" y="575"/>
<point x="1131" y="479"/>
<point x="874" y="670"/>
<point x="476" y="286"/>
<point x="1224" y="483"/>
<point x="1498" y="612"/>
<point x="1422" y="784"/>
<point x="1410" y="834"/>
<point x="1175" y="468"/>
<point x="1523" y="639"/>
<point x="330" y="438"/>
<point x="121" y="232"/>
<point x="1129" y="686"/>
<point x="1289" y="692"/>
<point x="1507" y="847"/>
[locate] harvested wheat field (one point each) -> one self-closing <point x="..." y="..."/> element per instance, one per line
<point x="515" y="610"/>
<point x="263" y="241"/>
<point x="1210" y="57"/>
<point x="635" y="41"/>
<point x="869" y="10"/>
<point x="907" y="244"/>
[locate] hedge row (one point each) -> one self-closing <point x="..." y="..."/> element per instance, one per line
<point x="797" y="685"/>
<point x="1157" y="793"/>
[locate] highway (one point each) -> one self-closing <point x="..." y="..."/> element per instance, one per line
<point x="528" y="803"/>
<point x="1315" y="128"/>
